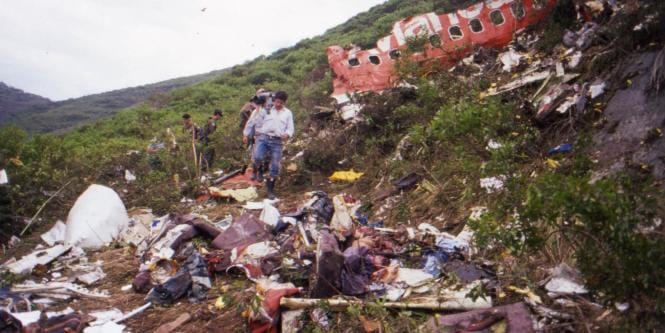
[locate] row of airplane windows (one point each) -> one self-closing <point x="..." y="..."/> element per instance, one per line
<point x="455" y="32"/>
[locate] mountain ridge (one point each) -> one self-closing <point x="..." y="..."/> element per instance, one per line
<point x="38" y="114"/>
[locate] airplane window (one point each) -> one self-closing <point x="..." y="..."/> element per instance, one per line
<point x="497" y="17"/>
<point x="517" y="7"/>
<point x="394" y="54"/>
<point x="476" y="26"/>
<point x="435" y="40"/>
<point x="354" y="62"/>
<point x="455" y="32"/>
<point x="374" y="59"/>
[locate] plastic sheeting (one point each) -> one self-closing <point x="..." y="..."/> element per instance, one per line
<point x="349" y="176"/>
<point x="98" y="216"/>
<point x="3" y="177"/>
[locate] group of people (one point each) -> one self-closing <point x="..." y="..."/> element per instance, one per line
<point x="266" y="125"/>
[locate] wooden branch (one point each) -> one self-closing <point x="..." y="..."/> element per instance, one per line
<point x="430" y="303"/>
<point x="42" y="207"/>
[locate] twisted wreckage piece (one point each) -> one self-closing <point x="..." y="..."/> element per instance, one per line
<point x="451" y="37"/>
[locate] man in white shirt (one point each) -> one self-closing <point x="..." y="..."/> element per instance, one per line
<point x="275" y="126"/>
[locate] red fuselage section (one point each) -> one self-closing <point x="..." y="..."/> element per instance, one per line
<point x="451" y="37"/>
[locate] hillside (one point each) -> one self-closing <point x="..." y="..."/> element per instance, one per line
<point x="39" y="115"/>
<point x="15" y="103"/>
<point x="529" y="180"/>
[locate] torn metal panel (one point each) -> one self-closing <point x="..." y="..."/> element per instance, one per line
<point x="40" y="257"/>
<point x="452" y="37"/>
<point x="56" y="234"/>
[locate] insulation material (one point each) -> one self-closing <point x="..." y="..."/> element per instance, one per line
<point x="98" y="217"/>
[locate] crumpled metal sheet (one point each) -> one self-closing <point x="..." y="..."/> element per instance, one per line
<point x="246" y="230"/>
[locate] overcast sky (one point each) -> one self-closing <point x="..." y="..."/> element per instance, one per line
<point x="70" y="48"/>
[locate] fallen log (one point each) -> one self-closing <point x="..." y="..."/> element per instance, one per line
<point x="427" y="303"/>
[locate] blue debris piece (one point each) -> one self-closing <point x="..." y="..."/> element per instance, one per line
<point x="562" y="149"/>
<point x="364" y="221"/>
<point x="434" y="260"/>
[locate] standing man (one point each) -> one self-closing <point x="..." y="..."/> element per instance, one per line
<point x="250" y="131"/>
<point x="209" y="151"/>
<point x="275" y="127"/>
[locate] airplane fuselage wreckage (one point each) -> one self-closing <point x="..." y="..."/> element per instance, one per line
<point x="450" y="38"/>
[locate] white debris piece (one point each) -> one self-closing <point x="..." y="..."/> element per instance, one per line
<point x="92" y="277"/>
<point x="3" y="177"/>
<point x="565" y="281"/>
<point x="108" y="327"/>
<point x="341" y="220"/>
<point x="53" y="289"/>
<point x="575" y="59"/>
<point x="520" y="82"/>
<point x="493" y="145"/>
<point x="560" y="72"/>
<point x="596" y="90"/>
<point x="298" y="155"/>
<point x="477" y="212"/>
<point x="492" y="184"/>
<point x="427" y="228"/>
<point x="162" y="248"/>
<point x="56" y="234"/>
<point x="450" y="243"/>
<point x="413" y="277"/>
<point x="27" y="318"/>
<point x="510" y="59"/>
<point x="291" y="321"/>
<point x="270" y="215"/>
<point x="129" y="176"/>
<point x="138" y="227"/>
<point x="350" y="111"/>
<point x="27" y="263"/>
<point x="13" y="241"/>
<point x="98" y="216"/>
<point x="103" y="317"/>
<point x="254" y="205"/>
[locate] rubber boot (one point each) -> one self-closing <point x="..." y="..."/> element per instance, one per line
<point x="255" y="174"/>
<point x="259" y="175"/>
<point x="270" y="186"/>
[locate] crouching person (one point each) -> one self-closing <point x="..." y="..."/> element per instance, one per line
<point x="275" y="127"/>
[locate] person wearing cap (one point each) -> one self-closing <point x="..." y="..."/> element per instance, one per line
<point x="274" y="127"/>
<point x="188" y="126"/>
<point x="208" y="150"/>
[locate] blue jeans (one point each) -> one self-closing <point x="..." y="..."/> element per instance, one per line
<point x="269" y="147"/>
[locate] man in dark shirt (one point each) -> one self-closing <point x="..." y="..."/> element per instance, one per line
<point x="205" y="140"/>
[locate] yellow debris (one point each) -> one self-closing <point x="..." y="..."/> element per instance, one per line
<point x="16" y="161"/>
<point x="220" y="304"/>
<point x="240" y="195"/>
<point x="348" y="176"/>
<point x="552" y="164"/>
<point x="527" y="292"/>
